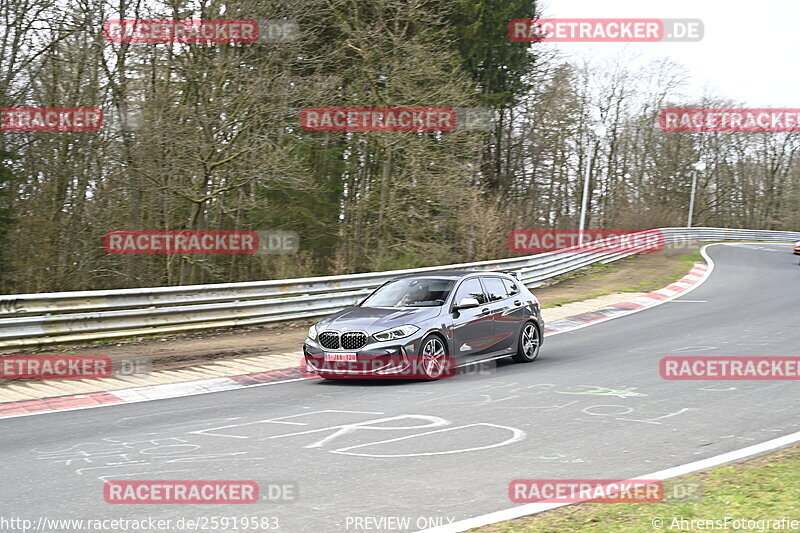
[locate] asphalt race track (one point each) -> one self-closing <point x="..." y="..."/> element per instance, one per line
<point x="592" y="406"/>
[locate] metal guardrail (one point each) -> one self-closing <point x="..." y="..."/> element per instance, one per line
<point x="48" y="318"/>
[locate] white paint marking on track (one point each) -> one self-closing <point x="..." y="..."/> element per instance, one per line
<point x="681" y="470"/>
<point x="516" y="435"/>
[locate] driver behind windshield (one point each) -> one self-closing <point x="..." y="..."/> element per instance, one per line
<point x="411" y="293"/>
<point x="416" y="295"/>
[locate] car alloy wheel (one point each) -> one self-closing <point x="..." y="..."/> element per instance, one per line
<point x="434" y="357"/>
<point x="528" y="344"/>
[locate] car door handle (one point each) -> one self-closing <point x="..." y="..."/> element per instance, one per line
<point x="517" y="302"/>
<point x="484" y="312"/>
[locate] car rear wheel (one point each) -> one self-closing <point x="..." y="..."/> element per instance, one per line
<point x="528" y="344"/>
<point x="433" y="357"/>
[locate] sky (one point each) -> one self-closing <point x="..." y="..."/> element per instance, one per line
<point x="749" y="52"/>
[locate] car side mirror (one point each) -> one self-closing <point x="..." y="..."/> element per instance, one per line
<point x="467" y="303"/>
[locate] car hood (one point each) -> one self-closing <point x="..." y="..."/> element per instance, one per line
<point x="374" y="319"/>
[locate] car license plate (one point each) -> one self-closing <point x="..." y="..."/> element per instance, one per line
<point x="341" y="357"/>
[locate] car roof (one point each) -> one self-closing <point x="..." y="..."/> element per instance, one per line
<point x="455" y="274"/>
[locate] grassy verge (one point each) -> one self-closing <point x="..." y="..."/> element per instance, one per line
<point x="640" y="273"/>
<point x="765" y="488"/>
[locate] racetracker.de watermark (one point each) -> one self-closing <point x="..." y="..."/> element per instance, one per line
<point x="729" y="120"/>
<point x="586" y="490"/>
<point x="199" y="31"/>
<point x="534" y="241"/>
<point x="606" y="30"/>
<point x="730" y="368"/>
<point x="159" y="31"/>
<point x="50" y="119"/>
<point x="378" y="119"/>
<point x="199" y="492"/>
<point x="355" y="366"/>
<point x="70" y="366"/>
<point x="180" y="492"/>
<point x="201" y="242"/>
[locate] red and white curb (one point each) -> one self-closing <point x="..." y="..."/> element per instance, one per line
<point x="697" y="275"/>
<point x="150" y="392"/>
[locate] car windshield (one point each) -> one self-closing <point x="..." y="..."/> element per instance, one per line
<point x="412" y="292"/>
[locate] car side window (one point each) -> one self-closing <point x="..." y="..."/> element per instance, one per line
<point x="511" y="287"/>
<point x="495" y="289"/>
<point x="471" y="289"/>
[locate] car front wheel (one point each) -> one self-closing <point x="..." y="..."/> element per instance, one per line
<point x="433" y="357"/>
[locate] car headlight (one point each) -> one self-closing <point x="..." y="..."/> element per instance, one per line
<point x="396" y="333"/>
<point x="312" y="332"/>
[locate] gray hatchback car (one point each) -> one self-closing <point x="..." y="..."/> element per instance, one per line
<point x="424" y="325"/>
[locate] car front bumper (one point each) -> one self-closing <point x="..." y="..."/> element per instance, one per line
<point x="376" y="359"/>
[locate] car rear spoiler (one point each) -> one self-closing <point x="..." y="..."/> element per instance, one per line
<point x="513" y="273"/>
